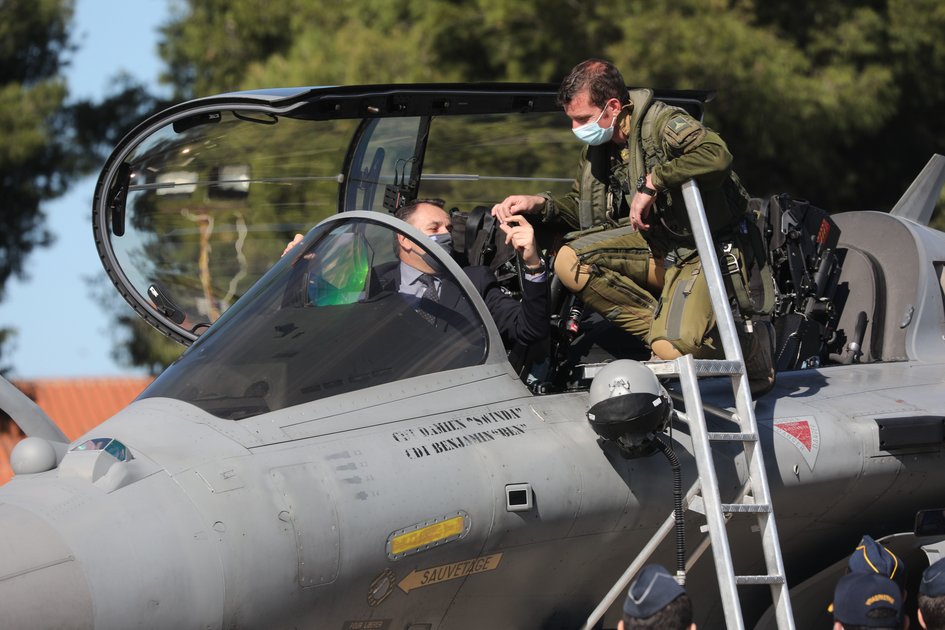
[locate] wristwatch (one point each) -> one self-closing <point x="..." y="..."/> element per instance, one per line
<point x="536" y="269"/>
<point x="643" y="188"/>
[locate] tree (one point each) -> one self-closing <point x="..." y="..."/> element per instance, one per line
<point x="835" y="102"/>
<point x="5" y="335"/>
<point x="47" y="141"/>
<point x="34" y="40"/>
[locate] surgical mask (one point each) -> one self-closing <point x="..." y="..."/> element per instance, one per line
<point x="443" y="240"/>
<point x="592" y="133"/>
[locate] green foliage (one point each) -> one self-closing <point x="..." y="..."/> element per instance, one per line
<point x="218" y="45"/>
<point x="96" y="127"/>
<point x="6" y="334"/>
<point x="34" y="162"/>
<point x="47" y="141"/>
<point x="837" y="102"/>
<point x="34" y="39"/>
<point x="134" y="342"/>
<point x="143" y="346"/>
<point x="209" y="43"/>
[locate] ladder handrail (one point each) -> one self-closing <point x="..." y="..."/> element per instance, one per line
<point x="720" y="304"/>
<point x="721" y="551"/>
<point x="744" y="405"/>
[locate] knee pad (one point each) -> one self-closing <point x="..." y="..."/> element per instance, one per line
<point x="568" y="270"/>
<point x="665" y="350"/>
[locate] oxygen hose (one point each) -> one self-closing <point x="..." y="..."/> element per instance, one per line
<point x="677" y="503"/>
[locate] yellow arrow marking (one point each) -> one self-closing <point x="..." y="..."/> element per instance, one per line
<point x="445" y="572"/>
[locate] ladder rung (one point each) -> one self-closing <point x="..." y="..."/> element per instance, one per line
<point x="702" y="367"/>
<point x="733" y="437"/>
<point x="731" y="508"/>
<point x="718" y="367"/>
<point x="758" y="579"/>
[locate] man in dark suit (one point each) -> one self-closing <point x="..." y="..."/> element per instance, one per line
<point x="523" y="322"/>
<point x="438" y="299"/>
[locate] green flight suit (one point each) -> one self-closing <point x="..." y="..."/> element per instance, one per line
<point x="674" y="147"/>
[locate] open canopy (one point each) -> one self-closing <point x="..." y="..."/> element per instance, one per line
<point x="198" y="202"/>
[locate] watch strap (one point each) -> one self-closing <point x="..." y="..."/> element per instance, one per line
<point x="643" y="188"/>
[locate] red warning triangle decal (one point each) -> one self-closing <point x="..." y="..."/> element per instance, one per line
<point x="803" y="433"/>
<point x="800" y="431"/>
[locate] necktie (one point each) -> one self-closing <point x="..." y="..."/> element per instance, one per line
<point x="430" y="294"/>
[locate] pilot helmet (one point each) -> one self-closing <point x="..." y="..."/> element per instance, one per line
<point x="627" y="404"/>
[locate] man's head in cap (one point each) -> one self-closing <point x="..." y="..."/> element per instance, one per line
<point x="932" y="597"/>
<point x="656" y="600"/>
<point x="868" y="600"/>
<point x="872" y="557"/>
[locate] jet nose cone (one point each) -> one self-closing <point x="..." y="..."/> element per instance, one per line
<point x="41" y="584"/>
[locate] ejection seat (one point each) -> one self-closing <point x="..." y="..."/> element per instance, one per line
<point x="877" y="287"/>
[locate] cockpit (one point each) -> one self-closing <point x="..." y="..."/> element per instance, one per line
<point x="330" y="318"/>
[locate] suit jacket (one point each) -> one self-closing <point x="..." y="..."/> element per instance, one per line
<point x="523" y="322"/>
<point x="518" y="322"/>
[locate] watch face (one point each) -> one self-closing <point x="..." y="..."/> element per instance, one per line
<point x="642" y="187"/>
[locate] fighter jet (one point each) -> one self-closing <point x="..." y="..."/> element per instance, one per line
<point x="321" y="456"/>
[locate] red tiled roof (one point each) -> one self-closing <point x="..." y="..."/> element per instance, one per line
<point x="10" y="434"/>
<point x="76" y="405"/>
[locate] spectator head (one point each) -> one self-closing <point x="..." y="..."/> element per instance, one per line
<point x="872" y="557"/>
<point x="656" y="600"/>
<point x="932" y="597"/>
<point x="867" y="600"/>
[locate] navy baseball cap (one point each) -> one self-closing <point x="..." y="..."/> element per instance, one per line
<point x="869" y="600"/>
<point x="872" y="557"/>
<point x="653" y="589"/>
<point x="933" y="580"/>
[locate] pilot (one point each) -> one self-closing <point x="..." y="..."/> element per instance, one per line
<point x="868" y="600"/>
<point x="656" y="600"/>
<point x="932" y="597"/>
<point x="522" y="322"/>
<point x="634" y="260"/>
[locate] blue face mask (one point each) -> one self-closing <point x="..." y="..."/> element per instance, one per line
<point x="443" y="240"/>
<point x="593" y="134"/>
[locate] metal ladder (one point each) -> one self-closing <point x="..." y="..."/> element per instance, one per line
<point x="755" y="497"/>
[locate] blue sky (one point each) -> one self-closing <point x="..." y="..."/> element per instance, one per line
<point x="61" y="330"/>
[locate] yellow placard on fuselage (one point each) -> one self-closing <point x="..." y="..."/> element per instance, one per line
<point x="428" y="534"/>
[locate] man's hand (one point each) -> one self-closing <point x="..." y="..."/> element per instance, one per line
<point x="295" y="241"/>
<point x="641" y="205"/>
<point x="517" y="204"/>
<point x="520" y="234"/>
